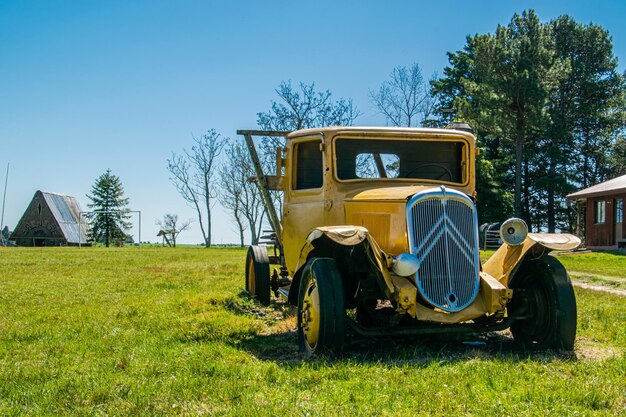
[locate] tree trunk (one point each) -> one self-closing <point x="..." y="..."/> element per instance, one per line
<point x="107" y="229"/>
<point x="254" y="236"/>
<point x="526" y="215"/>
<point x="207" y="201"/>
<point x="257" y="229"/>
<point x="551" y="211"/>
<point x="585" y="154"/>
<point x="208" y="226"/>
<point x="200" y="222"/>
<point x="238" y="220"/>
<point x="519" y="147"/>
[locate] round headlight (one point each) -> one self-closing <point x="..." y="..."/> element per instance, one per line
<point x="405" y="264"/>
<point x="514" y="231"/>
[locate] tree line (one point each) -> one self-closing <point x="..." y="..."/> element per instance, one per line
<point x="548" y="105"/>
<point x="545" y="99"/>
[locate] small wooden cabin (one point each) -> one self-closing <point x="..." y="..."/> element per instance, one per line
<point x="51" y="220"/>
<point x="601" y="207"/>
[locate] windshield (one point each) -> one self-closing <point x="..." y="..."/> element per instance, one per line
<point x="401" y="159"/>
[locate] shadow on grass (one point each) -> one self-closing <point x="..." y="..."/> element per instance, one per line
<point x="420" y="351"/>
<point x="281" y="346"/>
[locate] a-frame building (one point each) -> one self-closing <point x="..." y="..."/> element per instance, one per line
<point x="51" y="220"/>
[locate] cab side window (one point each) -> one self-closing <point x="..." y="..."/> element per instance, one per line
<point x="309" y="169"/>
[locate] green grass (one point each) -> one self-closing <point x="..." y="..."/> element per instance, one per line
<point x="159" y="331"/>
<point x="598" y="268"/>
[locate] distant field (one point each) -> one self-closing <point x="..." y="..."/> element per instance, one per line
<point x="160" y="331"/>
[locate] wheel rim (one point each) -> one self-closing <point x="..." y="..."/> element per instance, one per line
<point x="539" y="313"/>
<point x="310" y="315"/>
<point x="536" y="329"/>
<point x="251" y="280"/>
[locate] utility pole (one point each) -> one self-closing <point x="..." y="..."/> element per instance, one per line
<point x="4" y="197"/>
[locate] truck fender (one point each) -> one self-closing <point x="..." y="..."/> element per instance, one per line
<point x="505" y="261"/>
<point x="322" y="239"/>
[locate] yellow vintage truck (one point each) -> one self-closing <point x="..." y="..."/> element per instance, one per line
<point x="379" y="232"/>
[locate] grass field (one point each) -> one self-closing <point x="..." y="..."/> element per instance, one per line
<point x="159" y="331"/>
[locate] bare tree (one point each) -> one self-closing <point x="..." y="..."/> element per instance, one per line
<point x="238" y="194"/>
<point x="300" y="109"/>
<point x="231" y="188"/>
<point x="404" y="99"/>
<point x="193" y="175"/>
<point x="170" y="229"/>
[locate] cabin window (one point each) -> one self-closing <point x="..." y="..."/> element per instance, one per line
<point x="599" y="212"/>
<point x="377" y="165"/>
<point x="398" y="159"/>
<point x="619" y="211"/>
<point x="309" y="170"/>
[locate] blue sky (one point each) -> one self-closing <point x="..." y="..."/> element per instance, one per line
<point x="91" y="85"/>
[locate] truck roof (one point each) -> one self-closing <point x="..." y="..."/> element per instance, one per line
<point x="377" y="131"/>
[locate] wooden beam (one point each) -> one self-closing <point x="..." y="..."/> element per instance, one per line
<point x="282" y="133"/>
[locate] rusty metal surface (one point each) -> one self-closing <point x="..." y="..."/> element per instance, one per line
<point x="556" y="241"/>
<point x="506" y="258"/>
<point x="349" y="236"/>
<point x="65" y="210"/>
<point x="344" y="235"/>
<point x="281" y="133"/>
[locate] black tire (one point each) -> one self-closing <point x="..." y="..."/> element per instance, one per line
<point x="258" y="274"/>
<point x="544" y="296"/>
<point x="321" y="312"/>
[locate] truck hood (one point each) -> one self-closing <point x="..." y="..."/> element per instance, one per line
<point x="400" y="193"/>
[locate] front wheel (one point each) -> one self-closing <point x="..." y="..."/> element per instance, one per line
<point x="258" y="274"/>
<point x="544" y="297"/>
<point x="321" y="312"/>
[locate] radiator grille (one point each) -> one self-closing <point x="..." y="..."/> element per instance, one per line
<point x="443" y="234"/>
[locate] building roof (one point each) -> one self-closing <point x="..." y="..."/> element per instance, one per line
<point x="65" y="210"/>
<point x="604" y="188"/>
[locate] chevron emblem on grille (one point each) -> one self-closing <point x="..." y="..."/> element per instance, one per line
<point x="444" y="227"/>
<point x="443" y="234"/>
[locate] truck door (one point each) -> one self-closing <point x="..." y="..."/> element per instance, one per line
<point x="303" y="207"/>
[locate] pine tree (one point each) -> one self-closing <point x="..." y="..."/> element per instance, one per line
<point x="109" y="220"/>
<point x="548" y="93"/>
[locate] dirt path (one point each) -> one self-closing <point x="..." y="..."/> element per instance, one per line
<point x="591" y="274"/>
<point x="599" y="288"/>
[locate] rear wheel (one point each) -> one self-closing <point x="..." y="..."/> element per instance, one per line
<point x="258" y="274"/>
<point x="321" y="312"/>
<point x="544" y="297"/>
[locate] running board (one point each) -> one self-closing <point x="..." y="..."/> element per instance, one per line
<point x="462" y="328"/>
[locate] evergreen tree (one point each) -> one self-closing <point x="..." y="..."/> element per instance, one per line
<point x="618" y="158"/>
<point x="548" y="106"/>
<point x="109" y="221"/>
